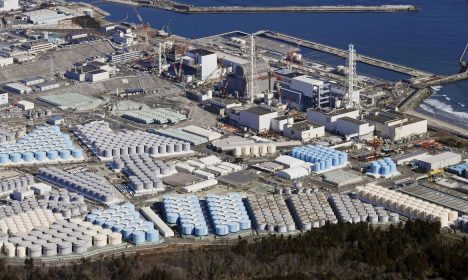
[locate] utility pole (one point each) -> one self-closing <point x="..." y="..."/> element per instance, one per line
<point x="159" y="59"/>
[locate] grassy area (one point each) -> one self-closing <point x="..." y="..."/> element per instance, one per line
<point x="451" y="140"/>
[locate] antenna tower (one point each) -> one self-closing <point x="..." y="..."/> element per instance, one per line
<point x="353" y="95"/>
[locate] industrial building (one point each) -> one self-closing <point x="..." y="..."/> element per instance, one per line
<point x="396" y="125"/>
<point x="237" y="82"/>
<point x="40" y="46"/>
<point x="329" y="118"/>
<point x="438" y="161"/>
<point x="278" y="124"/>
<point x="123" y="56"/>
<point x="351" y="127"/>
<point x="4" y="61"/>
<point x="48" y="85"/>
<point x="18" y="88"/>
<point x="44" y="17"/>
<point x="204" y="62"/>
<point x="257" y="118"/>
<point x="304" y="131"/>
<point x="33" y="80"/>
<point x="25" y="105"/>
<point x="306" y="92"/>
<point x="3" y="98"/>
<point x="199" y="131"/>
<point x="97" y="75"/>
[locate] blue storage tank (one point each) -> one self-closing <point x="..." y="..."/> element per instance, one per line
<point x="221" y="230"/>
<point x="374" y="167"/>
<point x="99" y="221"/>
<point x="108" y="224"/>
<point x="234" y="227"/>
<point x="201" y="230"/>
<point x="27" y="156"/>
<point x="127" y="233"/>
<point x="245" y="224"/>
<point x="384" y="170"/>
<point x="65" y="154"/>
<point x="52" y="155"/>
<point x="117" y="228"/>
<point x="91" y="218"/>
<point x="335" y="160"/>
<point x="322" y="165"/>
<point x="77" y="153"/>
<point x="138" y="237"/>
<point x="187" y="229"/>
<point x="15" y="157"/>
<point x="4" y="158"/>
<point x="152" y="235"/>
<point x="55" y="128"/>
<point x="40" y="155"/>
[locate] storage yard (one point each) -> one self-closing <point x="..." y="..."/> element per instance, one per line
<point x="144" y="139"/>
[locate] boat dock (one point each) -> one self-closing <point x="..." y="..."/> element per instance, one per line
<point x="344" y="53"/>
<point x="191" y="9"/>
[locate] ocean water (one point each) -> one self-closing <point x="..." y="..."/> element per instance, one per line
<point x="431" y="39"/>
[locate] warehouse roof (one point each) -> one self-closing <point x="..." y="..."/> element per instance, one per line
<point x="439" y="157"/>
<point x="31" y="79"/>
<point x="293" y="172"/>
<point x="260" y="110"/>
<point x="201" y="52"/>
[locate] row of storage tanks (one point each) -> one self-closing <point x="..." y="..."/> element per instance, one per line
<point x="312" y="210"/>
<point x="144" y="174"/>
<point x="255" y="150"/>
<point x="462" y="223"/>
<point x="67" y="203"/>
<point x="323" y="158"/>
<point x="10" y="185"/>
<point x="104" y="142"/>
<point x="42" y="144"/>
<point x="406" y="205"/>
<point x="17" y="207"/>
<point x="350" y="210"/>
<point x="87" y="184"/>
<point x="186" y="211"/>
<point x="384" y="167"/>
<point x="26" y="221"/>
<point x="228" y="213"/>
<point x="60" y="238"/>
<point x="126" y="220"/>
<point x="9" y="133"/>
<point x="270" y="213"/>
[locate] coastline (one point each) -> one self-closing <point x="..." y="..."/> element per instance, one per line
<point x="438" y="123"/>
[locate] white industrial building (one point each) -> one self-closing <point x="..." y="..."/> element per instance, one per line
<point x="396" y="125"/>
<point x="200" y="186"/>
<point x="33" y="80"/>
<point x="329" y="118"/>
<point x="25" y="105"/>
<point x="18" y="88"/>
<point x="289" y="162"/>
<point x="45" y="17"/>
<point x="304" y="131"/>
<point x="4" y="61"/>
<point x="121" y="38"/>
<point x="350" y="128"/>
<point x="293" y="173"/>
<point x="306" y="92"/>
<point x="39" y="46"/>
<point x="48" y="85"/>
<point x="3" y="98"/>
<point x="9" y="5"/>
<point x="199" y="131"/>
<point x="438" y="161"/>
<point x="258" y="118"/>
<point x="206" y="60"/>
<point x="278" y="123"/>
<point x="97" y="75"/>
<point x="123" y="56"/>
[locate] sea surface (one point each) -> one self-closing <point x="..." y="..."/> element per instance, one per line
<point x="431" y="39"/>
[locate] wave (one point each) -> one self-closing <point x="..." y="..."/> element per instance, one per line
<point x="445" y="110"/>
